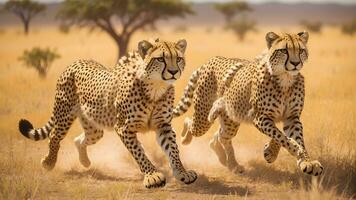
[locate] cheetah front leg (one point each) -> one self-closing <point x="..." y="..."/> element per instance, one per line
<point x="294" y="130"/>
<point x="166" y="137"/>
<point x="268" y="127"/>
<point x="271" y="150"/>
<point x="152" y="178"/>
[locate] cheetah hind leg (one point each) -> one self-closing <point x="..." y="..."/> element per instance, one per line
<point x="187" y="136"/>
<point x="89" y="137"/>
<point x="216" y="146"/>
<point x="60" y="131"/>
<point x="82" y="150"/>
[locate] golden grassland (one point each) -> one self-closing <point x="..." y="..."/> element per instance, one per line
<point x="329" y="121"/>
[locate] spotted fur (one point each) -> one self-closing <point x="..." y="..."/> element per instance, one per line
<point x="263" y="91"/>
<point x="137" y="95"/>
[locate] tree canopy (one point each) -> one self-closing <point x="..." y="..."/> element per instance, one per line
<point x="25" y="10"/>
<point x="233" y="8"/>
<point x="129" y="15"/>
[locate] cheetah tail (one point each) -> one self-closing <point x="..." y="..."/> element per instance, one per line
<point x="187" y="97"/>
<point x="28" y="131"/>
<point x="231" y="73"/>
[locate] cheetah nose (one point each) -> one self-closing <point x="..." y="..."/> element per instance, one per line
<point x="295" y="63"/>
<point x="173" y="71"/>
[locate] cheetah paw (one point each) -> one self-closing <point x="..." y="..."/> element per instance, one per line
<point x="311" y="167"/>
<point x="187" y="177"/>
<point x="218" y="149"/>
<point x="186" y="134"/>
<point x="48" y="164"/>
<point x="269" y="153"/>
<point x="83" y="155"/>
<point x="154" y="180"/>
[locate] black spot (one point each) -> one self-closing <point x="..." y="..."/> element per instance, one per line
<point x="305" y="169"/>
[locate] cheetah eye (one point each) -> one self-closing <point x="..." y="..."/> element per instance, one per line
<point x="302" y="51"/>
<point x="179" y="59"/>
<point x="284" y="51"/>
<point x="160" y="59"/>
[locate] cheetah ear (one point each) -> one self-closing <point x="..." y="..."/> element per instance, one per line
<point x="270" y="37"/>
<point x="304" y="36"/>
<point x="143" y="48"/>
<point x="181" y="45"/>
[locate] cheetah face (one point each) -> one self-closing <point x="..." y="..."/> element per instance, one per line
<point x="287" y="52"/>
<point x="164" y="61"/>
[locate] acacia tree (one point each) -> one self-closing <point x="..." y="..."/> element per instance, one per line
<point x="241" y="27"/>
<point x="25" y="10"/>
<point x="232" y="9"/>
<point x="130" y="15"/>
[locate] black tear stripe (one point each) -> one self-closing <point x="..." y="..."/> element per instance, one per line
<point x="164" y="69"/>
<point x="285" y="64"/>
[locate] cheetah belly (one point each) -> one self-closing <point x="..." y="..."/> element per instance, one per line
<point x="101" y="117"/>
<point x="237" y="97"/>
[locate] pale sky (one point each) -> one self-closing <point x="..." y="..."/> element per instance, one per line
<point x="251" y="1"/>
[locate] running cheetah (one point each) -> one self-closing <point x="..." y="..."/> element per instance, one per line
<point x="263" y="91"/>
<point x="137" y="95"/>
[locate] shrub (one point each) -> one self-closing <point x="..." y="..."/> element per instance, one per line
<point x="349" y="28"/>
<point x="314" y="27"/>
<point x="40" y="59"/>
<point x="241" y="27"/>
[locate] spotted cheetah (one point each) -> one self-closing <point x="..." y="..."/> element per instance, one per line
<point x="136" y="95"/>
<point x="263" y="91"/>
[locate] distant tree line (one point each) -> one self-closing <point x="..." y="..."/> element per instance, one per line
<point x="121" y="19"/>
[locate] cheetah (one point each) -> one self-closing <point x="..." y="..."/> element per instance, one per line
<point x="137" y="95"/>
<point x="263" y="91"/>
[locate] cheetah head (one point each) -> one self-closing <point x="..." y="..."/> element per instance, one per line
<point x="287" y="53"/>
<point x="163" y="60"/>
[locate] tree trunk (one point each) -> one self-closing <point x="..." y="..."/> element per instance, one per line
<point x="26" y="24"/>
<point x="121" y="40"/>
<point x="122" y="45"/>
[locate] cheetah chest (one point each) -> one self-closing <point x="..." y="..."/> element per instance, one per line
<point x="141" y="112"/>
<point x="274" y="103"/>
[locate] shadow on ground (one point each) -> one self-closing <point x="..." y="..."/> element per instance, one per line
<point x="261" y="171"/>
<point x="98" y="175"/>
<point x="208" y="185"/>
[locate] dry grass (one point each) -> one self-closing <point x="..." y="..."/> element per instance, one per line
<point x="329" y="118"/>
